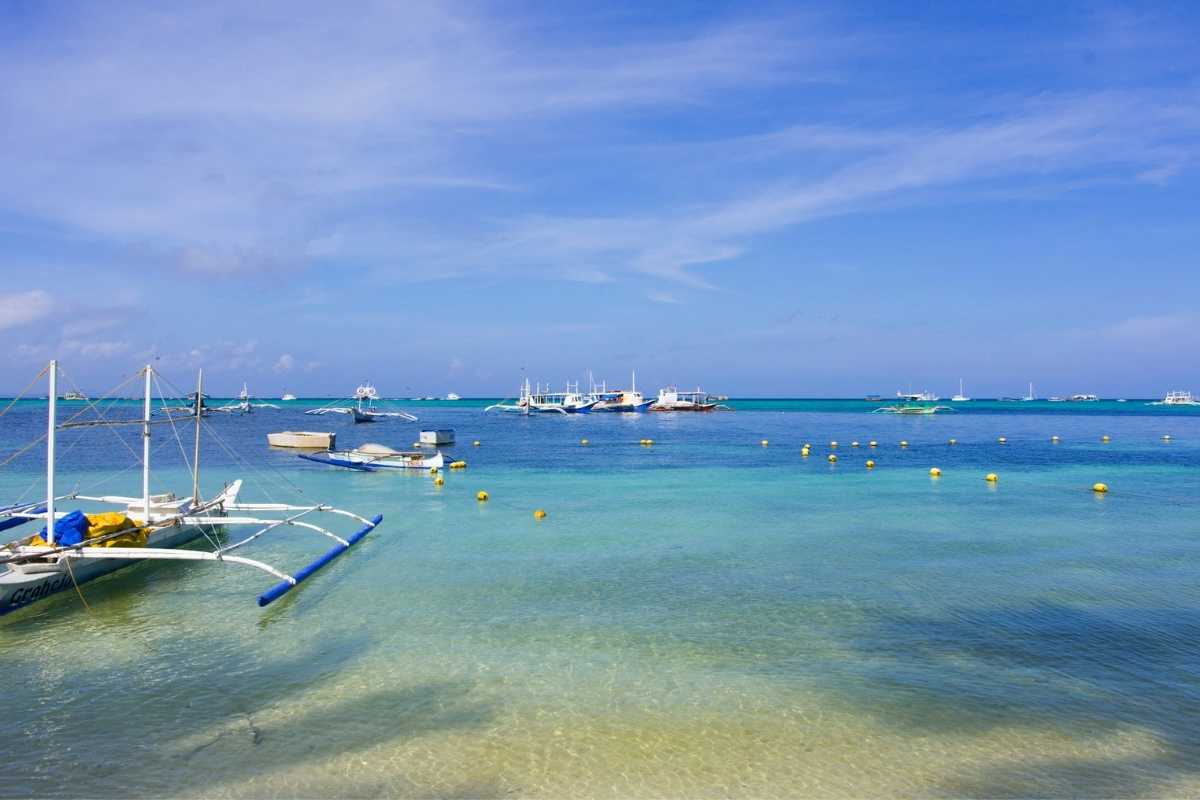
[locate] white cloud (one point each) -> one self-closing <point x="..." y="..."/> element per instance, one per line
<point x="256" y="127"/>
<point x="23" y="308"/>
<point x="285" y="363"/>
<point x="663" y="297"/>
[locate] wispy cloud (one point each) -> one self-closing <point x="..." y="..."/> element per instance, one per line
<point x="236" y="137"/>
<point x="663" y="297"/>
<point x="23" y="308"/>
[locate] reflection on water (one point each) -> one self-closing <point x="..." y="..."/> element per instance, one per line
<point x="704" y="617"/>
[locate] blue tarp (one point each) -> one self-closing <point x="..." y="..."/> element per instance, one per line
<point x="69" y="529"/>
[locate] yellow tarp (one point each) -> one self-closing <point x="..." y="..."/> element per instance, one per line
<point x="103" y="524"/>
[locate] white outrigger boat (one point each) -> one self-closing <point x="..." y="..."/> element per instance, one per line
<point x="363" y="409"/>
<point x="543" y="401"/>
<point x="243" y="404"/>
<point x="671" y="399"/>
<point x="629" y="401"/>
<point x="911" y="409"/>
<point x="370" y="457"/>
<point x="1176" y="399"/>
<point x="75" y="548"/>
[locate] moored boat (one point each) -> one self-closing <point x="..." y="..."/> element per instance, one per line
<point x="911" y="409"/>
<point x="671" y="399"/>
<point x="623" y="400"/>
<point x="117" y="531"/>
<point x="1179" y="398"/>
<point x="538" y="400"/>
<point x="371" y="456"/>
<point x="310" y="440"/>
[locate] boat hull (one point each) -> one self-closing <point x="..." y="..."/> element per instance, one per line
<point x="310" y="440"/>
<point x="19" y="589"/>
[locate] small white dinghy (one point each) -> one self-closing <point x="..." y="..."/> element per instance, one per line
<point x="370" y="457"/>
<point x="308" y="440"/>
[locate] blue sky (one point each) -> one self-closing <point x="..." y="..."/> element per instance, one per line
<point x="760" y="199"/>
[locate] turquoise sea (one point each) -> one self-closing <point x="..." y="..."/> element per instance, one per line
<point x="704" y="617"/>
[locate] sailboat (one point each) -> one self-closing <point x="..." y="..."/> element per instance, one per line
<point x="1029" y="397"/>
<point x="77" y="547"/>
<point x="960" y="397"/>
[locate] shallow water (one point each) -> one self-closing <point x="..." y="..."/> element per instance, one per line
<point x="703" y="617"/>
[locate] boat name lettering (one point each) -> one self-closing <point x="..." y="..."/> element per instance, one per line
<point x="28" y="595"/>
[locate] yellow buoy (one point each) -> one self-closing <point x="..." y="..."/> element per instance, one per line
<point x="764" y="442"/>
<point x="1106" y="438"/>
<point x="433" y="470"/>
<point x="903" y="443"/>
<point x="832" y="458"/>
<point x="870" y="464"/>
<point x="833" y="445"/>
<point x="458" y="465"/>
<point x="1054" y="439"/>
<point x="804" y="452"/>
<point x="539" y="514"/>
<point x="1166" y="437"/>
<point x="854" y="444"/>
<point x="1002" y="440"/>
<point x="583" y="442"/>
<point x="991" y="477"/>
<point x="954" y="441"/>
<point x="475" y="443"/>
<point x="934" y="472"/>
<point x="482" y="497"/>
<point x="873" y="443"/>
<point x="439" y="481"/>
<point x="807" y="446"/>
<point x="1099" y="488"/>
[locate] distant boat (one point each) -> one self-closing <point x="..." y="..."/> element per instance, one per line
<point x="243" y="404"/>
<point x="288" y="396"/>
<point x="671" y="399"/>
<point x="626" y="400"/>
<point x="1176" y="399"/>
<point x="1029" y="397"/>
<point x="911" y="409"/>
<point x="1084" y="398"/>
<point x="74" y="396"/>
<point x="536" y="400"/>
<point x="363" y="409"/>
<point x="917" y="397"/>
<point x="960" y="397"/>
<point x="453" y="396"/>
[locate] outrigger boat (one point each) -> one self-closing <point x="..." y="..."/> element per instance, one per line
<point x="75" y="548"/>
<point x="370" y="457"/>
<point x="918" y="397"/>
<point x="910" y="409"/>
<point x="671" y="399"/>
<point x="363" y="409"/>
<point x="624" y="400"/>
<point x="243" y="404"/>
<point x="1176" y="399"/>
<point x="543" y="401"/>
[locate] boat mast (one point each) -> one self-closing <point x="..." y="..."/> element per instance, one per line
<point x="146" y="447"/>
<point x="51" y="425"/>
<point x="196" y="452"/>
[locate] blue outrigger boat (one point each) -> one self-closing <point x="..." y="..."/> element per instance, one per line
<point x="76" y="547"/>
